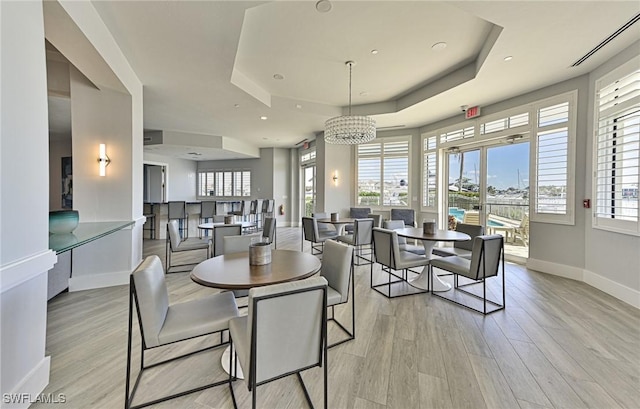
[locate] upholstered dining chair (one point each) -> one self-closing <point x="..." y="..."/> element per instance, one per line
<point x="408" y="216"/>
<point x="207" y="211"/>
<point x="269" y="231"/>
<point x="163" y="324"/>
<point x="323" y="226"/>
<point x="284" y="333"/>
<point x="337" y="268"/>
<point x="402" y="242"/>
<point x="461" y="248"/>
<point x="487" y="255"/>
<point x="362" y="236"/>
<point x="317" y="238"/>
<point x="388" y="254"/>
<point x="220" y="231"/>
<point x="357" y="213"/>
<point x="175" y="245"/>
<point x="177" y="210"/>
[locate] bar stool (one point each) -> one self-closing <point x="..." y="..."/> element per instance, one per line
<point x="267" y="208"/>
<point x="253" y="213"/>
<point x="178" y="211"/>
<point x="151" y="221"/>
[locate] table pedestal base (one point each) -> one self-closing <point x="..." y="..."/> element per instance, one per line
<point x="422" y="281"/>
<point x="225" y="363"/>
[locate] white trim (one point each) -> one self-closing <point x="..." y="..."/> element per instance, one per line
<point x="23" y="270"/>
<point x="560" y="270"/>
<point x="32" y="384"/>
<point x="140" y="221"/>
<point x="620" y="291"/>
<point x="89" y="282"/>
<point x="604" y="284"/>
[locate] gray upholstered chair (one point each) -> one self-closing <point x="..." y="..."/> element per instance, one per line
<point x="323" y="226"/>
<point x="207" y="211"/>
<point x="408" y="216"/>
<point x="284" y="333"/>
<point x="337" y="268"/>
<point x="219" y="232"/>
<point x="269" y="231"/>
<point x="487" y="255"/>
<point x="162" y="324"/>
<point x="357" y="213"/>
<point x="362" y="236"/>
<point x="177" y="210"/>
<point x="377" y="219"/>
<point x="388" y="254"/>
<point x="461" y="248"/>
<point x="175" y="245"/>
<point x="317" y="238"/>
<point x="402" y="242"/>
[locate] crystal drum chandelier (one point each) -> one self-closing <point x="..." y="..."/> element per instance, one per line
<point x="349" y="129"/>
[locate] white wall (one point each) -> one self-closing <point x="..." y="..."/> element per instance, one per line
<point x="281" y="185"/>
<point x="180" y="178"/>
<point x="334" y="197"/>
<point x="25" y="257"/>
<point x="612" y="260"/>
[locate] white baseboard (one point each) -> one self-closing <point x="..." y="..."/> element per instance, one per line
<point x="23" y="270"/>
<point x="620" y="291"/>
<point x="30" y="387"/>
<point x="88" y="282"/>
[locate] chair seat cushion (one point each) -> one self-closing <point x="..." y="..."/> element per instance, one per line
<point x="408" y="260"/>
<point x="412" y="248"/>
<point x="452" y="251"/>
<point x="333" y="297"/>
<point x="347" y="238"/>
<point x="454" y="264"/>
<point x="198" y="317"/>
<point x="193" y="244"/>
<point x="239" y="330"/>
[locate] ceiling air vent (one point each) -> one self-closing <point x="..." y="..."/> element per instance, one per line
<point x="607" y="40"/>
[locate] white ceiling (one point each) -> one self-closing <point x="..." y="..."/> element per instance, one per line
<point x="208" y="66"/>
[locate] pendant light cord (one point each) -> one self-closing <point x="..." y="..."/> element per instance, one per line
<point x="350" y="68"/>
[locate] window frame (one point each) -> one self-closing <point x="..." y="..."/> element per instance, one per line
<point x="220" y="173"/>
<point x="425" y="205"/>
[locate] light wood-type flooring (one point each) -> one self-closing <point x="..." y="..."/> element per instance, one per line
<point x="558" y="344"/>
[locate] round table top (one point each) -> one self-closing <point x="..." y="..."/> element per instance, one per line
<point x="439" y="235"/>
<point x="342" y="220"/>
<point x="233" y="271"/>
<point x="210" y="226"/>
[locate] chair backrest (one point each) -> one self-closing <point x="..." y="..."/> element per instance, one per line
<point x="287" y="327"/>
<point x="377" y="219"/>
<point x="362" y="231"/>
<point x="236" y="244"/>
<point x="177" y="210"/>
<point x="321" y="226"/>
<point x="359" y="212"/>
<point x="336" y="267"/>
<point x="269" y="229"/>
<point x="386" y="248"/>
<point x="219" y="232"/>
<point x="253" y="208"/>
<point x="173" y="234"/>
<point x="267" y="205"/>
<point x="486" y="255"/>
<point x="406" y="215"/>
<point x="473" y="230"/>
<point x="151" y="298"/>
<point x="395" y="224"/>
<point x="207" y="209"/>
<point x="310" y="229"/>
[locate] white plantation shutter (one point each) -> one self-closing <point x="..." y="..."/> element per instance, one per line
<point x="429" y="173"/>
<point x="224" y="183"/>
<point x="617" y="151"/>
<point x="552" y="175"/>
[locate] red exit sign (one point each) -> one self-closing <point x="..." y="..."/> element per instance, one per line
<point x="472" y="112"/>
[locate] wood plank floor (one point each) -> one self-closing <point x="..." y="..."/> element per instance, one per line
<point x="558" y="344"/>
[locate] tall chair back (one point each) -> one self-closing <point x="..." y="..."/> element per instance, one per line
<point x="321" y="226"/>
<point x="396" y="224"/>
<point x="151" y="298"/>
<point x="362" y="232"/>
<point x="377" y="219"/>
<point x="219" y="232"/>
<point x="386" y="248"/>
<point x="174" y="234"/>
<point x="485" y="256"/>
<point x="408" y="216"/>
<point x="336" y="267"/>
<point x="207" y="210"/>
<point x="269" y="231"/>
<point x="473" y="230"/>
<point x="310" y="229"/>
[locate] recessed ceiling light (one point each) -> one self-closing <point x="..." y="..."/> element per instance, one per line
<point x="323" y="6"/>
<point x="298" y="106"/>
<point x="508" y="58"/>
<point x="264" y="118"/>
<point x="439" y="46"/>
<point x="374" y="51"/>
<point x="278" y="76"/>
<point x="236" y="105"/>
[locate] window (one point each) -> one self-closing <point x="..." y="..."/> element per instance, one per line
<point x="552" y="186"/>
<point x="429" y="175"/>
<point x="616" y="150"/>
<point x="224" y="183"/>
<point x="383" y="173"/>
<point x="458" y="134"/>
<point x="505" y="123"/>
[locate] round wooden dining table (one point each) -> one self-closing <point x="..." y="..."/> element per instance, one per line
<point x="429" y="241"/>
<point x="233" y="272"/>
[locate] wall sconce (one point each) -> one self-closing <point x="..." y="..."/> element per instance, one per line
<point x="335" y="178"/>
<point x="103" y="159"/>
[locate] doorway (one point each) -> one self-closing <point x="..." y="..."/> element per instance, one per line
<point x="309" y="188"/>
<point x="154" y="183"/>
<point x="489" y="186"/>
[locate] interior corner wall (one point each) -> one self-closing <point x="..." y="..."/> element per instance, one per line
<point x="334" y="197"/>
<point x="25" y="257"/>
<point x="612" y="260"/>
<point x="181" y="176"/>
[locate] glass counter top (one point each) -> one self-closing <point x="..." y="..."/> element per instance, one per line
<point x="84" y="233"/>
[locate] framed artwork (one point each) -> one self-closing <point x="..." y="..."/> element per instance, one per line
<point x="67" y="183"/>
